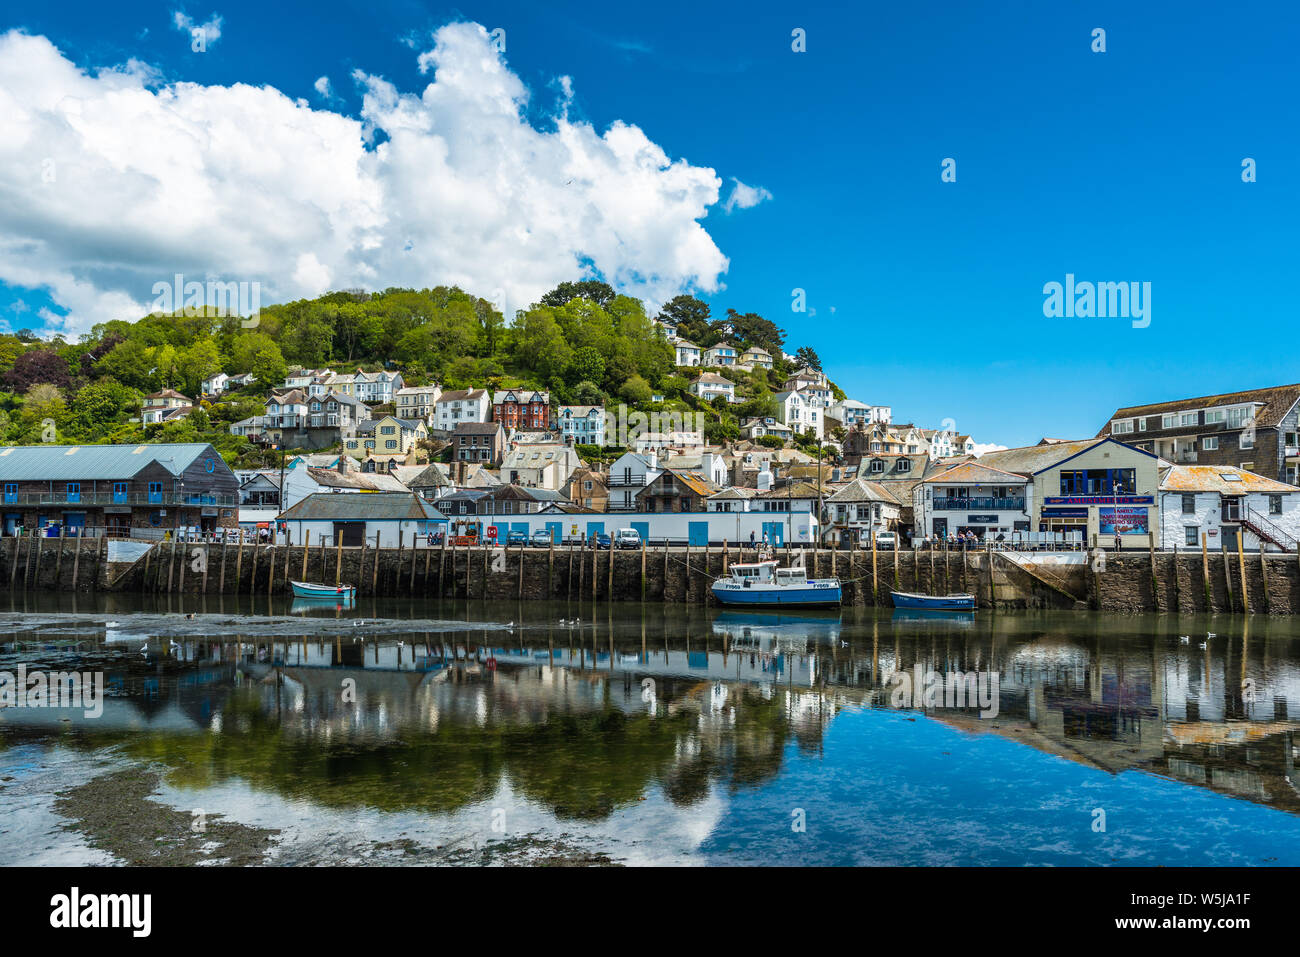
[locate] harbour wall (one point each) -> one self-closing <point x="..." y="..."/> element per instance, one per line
<point x="1131" y="582"/>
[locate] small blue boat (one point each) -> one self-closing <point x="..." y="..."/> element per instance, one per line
<point x="764" y="584"/>
<point x="962" y="602"/>
<point x="329" y="592"/>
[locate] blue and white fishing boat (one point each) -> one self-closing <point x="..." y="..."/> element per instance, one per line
<point x="329" y="592"/>
<point x="961" y="602"/>
<point x="766" y="584"/>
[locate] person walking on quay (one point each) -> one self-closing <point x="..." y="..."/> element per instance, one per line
<point x="1118" y="541"/>
<point x="752" y="546"/>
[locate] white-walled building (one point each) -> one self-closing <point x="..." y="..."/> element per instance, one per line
<point x="722" y="355"/>
<point x="972" y="497"/>
<point x="395" y="517"/>
<point x="418" y="402"/>
<point x="801" y="411"/>
<point x="628" y="475"/>
<point x="688" y="353"/>
<point x="1222" y="502"/>
<point x="461" y="405"/>
<point x="710" y="385"/>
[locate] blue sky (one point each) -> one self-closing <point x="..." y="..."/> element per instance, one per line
<point x="928" y="296"/>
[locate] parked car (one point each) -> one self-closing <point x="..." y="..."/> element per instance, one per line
<point x="602" y="540"/>
<point x="517" y="536"/>
<point x="542" y="538"/>
<point x="886" y="540"/>
<point x="627" y="538"/>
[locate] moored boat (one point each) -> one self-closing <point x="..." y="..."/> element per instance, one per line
<point x="331" y="592"/>
<point x="959" y="602"/>
<point x="765" y="583"/>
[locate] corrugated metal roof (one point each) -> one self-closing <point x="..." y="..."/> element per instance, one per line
<point x="39" y="463"/>
<point x="365" y="507"/>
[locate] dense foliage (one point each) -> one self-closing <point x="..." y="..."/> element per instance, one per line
<point x="582" y="342"/>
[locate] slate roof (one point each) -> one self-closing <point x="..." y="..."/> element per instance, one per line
<point x="376" y="507"/>
<point x="19" y="463"/>
<point x="1277" y="401"/>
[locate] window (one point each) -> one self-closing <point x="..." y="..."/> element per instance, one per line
<point x="877" y="465"/>
<point x="1191" y="535"/>
<point x="1189" y="504"/>
<point x="74" y="491"/>
<point x="1275" y="505"/>
<point x="1187" y="418"/>
<point x="1209" y="443"/>
<point x="1168" y="421"/>
<point x="1248" y="466"/>
<point x="904" y="465"/>
<point x="1246" y="440"/>
<point x="1122" y="426"/>
<point x="1214" y="417"/>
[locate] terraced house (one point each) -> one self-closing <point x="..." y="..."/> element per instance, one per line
<point x="522" y="409"/>
<point x="1257" y="430"/>
<point x="386" y="439"/>
<point x="117" y="488"/>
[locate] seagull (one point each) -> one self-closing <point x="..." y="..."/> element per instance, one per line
<point x="1184" y="638"/>
<point x="1202" y="645"/>
<point x="1210" y="634"/>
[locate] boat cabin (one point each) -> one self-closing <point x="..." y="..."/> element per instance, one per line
<point x="768" y="573"/>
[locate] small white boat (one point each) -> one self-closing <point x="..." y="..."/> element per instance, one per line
<point x="330" y="592"/>
<point x="765" y="583"/>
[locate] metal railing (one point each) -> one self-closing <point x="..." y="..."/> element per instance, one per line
<point x="953" y="504"/>
<point x="117" y="498"/>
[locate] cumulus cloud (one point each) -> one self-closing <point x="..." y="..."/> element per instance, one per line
<point x="112" y="181"/>
<point x="210" y="31"/>
<point x="982" y="447"/>
<point x="323" y="87"/>
<point x="744" y="197"/>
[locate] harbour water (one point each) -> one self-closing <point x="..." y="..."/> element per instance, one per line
<point x="424" y="732"/>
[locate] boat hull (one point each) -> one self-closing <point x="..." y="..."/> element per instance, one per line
<point x="933" y="602"/>
<point x="812" y="595"/>
<point x="323" y="592"/>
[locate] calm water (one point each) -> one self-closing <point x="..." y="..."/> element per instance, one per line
<point x="664" y="734"/>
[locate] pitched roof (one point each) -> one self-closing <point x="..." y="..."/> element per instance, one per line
<point x="1276" y="400"/>
<point x="1210" y="478"/>
<point x="367" y="481"/>
<point x="379" y="506"/>
<point x="477" y="428"/>
<point x="433" y="475"/>
<point x="457" y="394"/>
<point x="974" y="473"/>
<point x="1035" y="458"/>
<point x="98" y="462"/>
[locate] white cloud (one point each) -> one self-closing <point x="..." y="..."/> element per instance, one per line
<point x="210" y="31"/>
<point x="982" y="447"/>
<point x="323" y="87"/>
<point x="111" y="182"/>
<point x="744" y="197"/>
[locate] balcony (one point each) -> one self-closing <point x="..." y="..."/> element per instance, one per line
<point x="119" y="498"/>
<point x="968" y="504"/>
<point x="625" y="481"/>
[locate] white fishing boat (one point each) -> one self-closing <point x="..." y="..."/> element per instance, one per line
<point x="767" y="584"/>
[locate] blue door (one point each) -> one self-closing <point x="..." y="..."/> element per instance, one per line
<point x="698" y="533"/>
<point x="520" y="527"/>
<point x="557" y="531"/>
<point x="775" y="532"/>
<point x="643" y="529"/>
<point x="595" y="528"/>
<point x="503" y="531"/>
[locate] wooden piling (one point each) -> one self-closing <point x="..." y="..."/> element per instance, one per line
<point x="338" y="560"/>
<point x="374" y="572"/>
<point x="875" y="580"/>
<point x="76" y="561"/>
<point x="252" y="572"/>
<point x="1241" y="565"/>
<point x="1227" y="576"/>
<point x="1205" y="571"/>
<point x="58" y="561"/>
<point x="239" y="560"/>
<point x="270" y="577"/>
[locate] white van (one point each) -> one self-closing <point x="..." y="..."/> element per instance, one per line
<point x="627" y="538"/>
<point x="886" y="540"/>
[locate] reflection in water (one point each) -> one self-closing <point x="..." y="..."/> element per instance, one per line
<point x="727" y="720"/>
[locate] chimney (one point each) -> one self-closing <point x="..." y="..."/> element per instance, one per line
<point x="342" y="467"/>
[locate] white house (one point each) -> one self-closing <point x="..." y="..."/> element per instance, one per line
<point x="391" y="518"/>
<point x="461" y="405"/>
<point x="628" y="475"/>
<point x="688" y="353"/>
<point x="164" y="406"/>
<point x="1221" y="502"/>
<point x="851" y="412"/>
<point x="710" y="385"/>
<point x="541" y="465"/>
<point x="800" y="411"/>
<point x="215" y="384"/>
<point x="582" y="424"/>
<point x="971" y="497"/>
<point x="367" y="386"/>
<point x="723" y="354"/>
